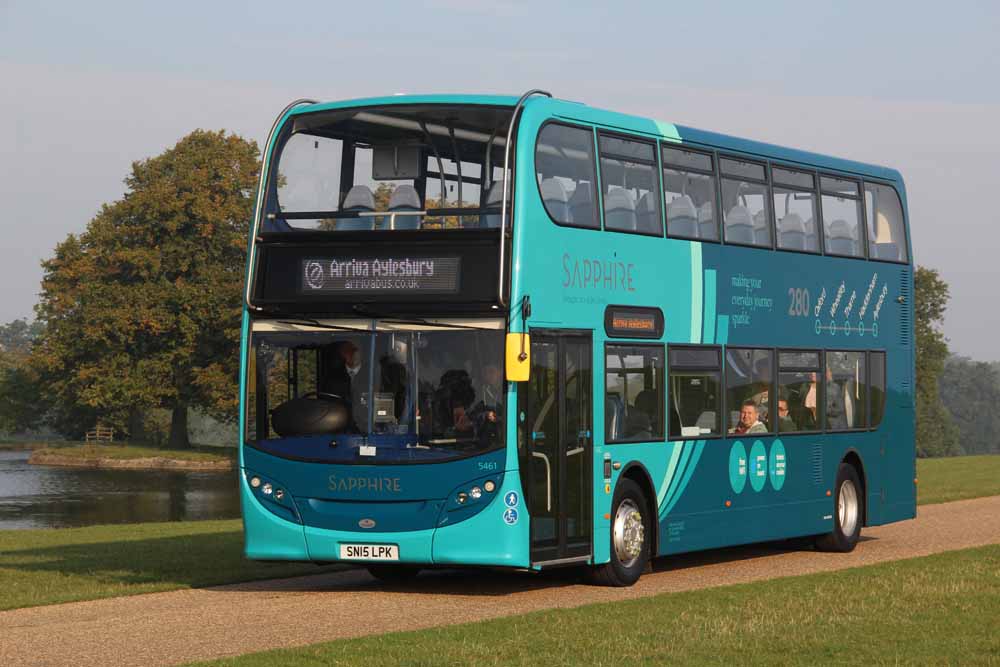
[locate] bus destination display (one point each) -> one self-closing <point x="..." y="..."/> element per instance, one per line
<point x="380" y="275"/>
<point x="633" y="322"/>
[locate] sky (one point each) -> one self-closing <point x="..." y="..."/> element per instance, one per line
<point x="88" y="88"/>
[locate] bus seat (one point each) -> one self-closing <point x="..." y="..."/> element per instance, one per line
<point x="811" y="242"/>
<point x="638" y="426"/>
<point x="706" y="421"/>
<point x="739" y="225"/>
<point x="555" y="198"/>
<point x="359" y="198"/>
<point x="404" y="198"/>
<point x="614" y="415"/>
<point x="647" y="215"/>
<point x="792" y="232"/>
<point x="682" y="217"/>
<point x="839" y="239"/>
<point x="707" y="227"/>
<point x="619" y="209"/>
<point x="887" y="251"/>
<point x="761" y="229"/>
<point x="581" y="205"/>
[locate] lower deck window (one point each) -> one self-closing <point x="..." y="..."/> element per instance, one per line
<point x="634" y="385"/>
<point x="695" y="396"/>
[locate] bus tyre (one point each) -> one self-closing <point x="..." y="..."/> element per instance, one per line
<point x="630" y="537"/>
<point x="394" y="574"/>
<point x="848" y="510"/>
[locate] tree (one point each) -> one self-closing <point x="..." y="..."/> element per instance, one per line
<point x="970" y="390"/>
<point x="937" y="434"/>
<point x="142" y="310"/>
<point x="21" y="405"/>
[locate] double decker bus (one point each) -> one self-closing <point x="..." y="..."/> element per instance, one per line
<point x="527" y="333"/>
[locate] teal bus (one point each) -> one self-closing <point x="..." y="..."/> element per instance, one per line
<point x="527" y="333"/>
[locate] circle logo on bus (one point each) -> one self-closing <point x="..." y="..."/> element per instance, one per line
<point x="510" y="516"/>
<point x="738" y="467"/>
<point x="366" y="523"/>
<point x="758" y="465"/>
<point x="314" y="275"/>
<point x="510" y="500"/>
<point x="776" y="465"/>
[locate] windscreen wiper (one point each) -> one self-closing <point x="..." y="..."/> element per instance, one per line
<point x="320" y="325"/>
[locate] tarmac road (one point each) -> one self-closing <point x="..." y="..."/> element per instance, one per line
<point x="181" y="626"/>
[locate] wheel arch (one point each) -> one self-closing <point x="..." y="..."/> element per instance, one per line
<point x="637" y="472"/>
<point x="853" y="458"/>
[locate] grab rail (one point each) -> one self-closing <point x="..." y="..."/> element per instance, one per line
<point x="259" y="208"/>
<point x="503" y="200"/>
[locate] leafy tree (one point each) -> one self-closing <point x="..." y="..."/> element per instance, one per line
<point x="21" y="407"/>
<point x="937" y="434"/>
<point x="142" y="310"/>
<point x="970" y="390"/>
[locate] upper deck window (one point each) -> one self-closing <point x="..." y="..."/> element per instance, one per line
<point x="630" y="186"/>
<point x="564" y="169"/>
<point x="746" y="212"/>
<point x="886" y="232"/>
<point x="795" y="209"/>
<point x="689" y="194"/>
<point x="388" y="168"/>
<point x="841" y="203"/>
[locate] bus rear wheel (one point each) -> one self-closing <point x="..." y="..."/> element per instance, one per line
<point x="848" y="511"/>
<point x="394" y="574"/>
<point x="630" y="537"/>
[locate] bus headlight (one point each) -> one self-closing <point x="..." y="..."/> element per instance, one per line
<point x="255" y="482"/>
<point x="476" y="493"/>
<point x="489" y="486"/>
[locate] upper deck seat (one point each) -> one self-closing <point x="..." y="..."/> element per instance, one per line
<point x="887" y="251"/>
<point x="404" y="198"/>
<point x="581" y="205"/>
<point x="360" y="199"/>
<point x="792" y="232"/>
<point x="647" y="215"/>
<point x="739" y="225"/>
<point x="707" y="227"/>
<point x="682" y="217"/>
<point x="555" y="198"/>
<point x="811" y="242"/>
<point x="840" y="238"/>
<point x="619" y="210"/>
<point x="761" y="229"/>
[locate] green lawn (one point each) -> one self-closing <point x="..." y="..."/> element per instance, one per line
<point x="61" y="565"/>
<point x="938" y="610"/>
<point x="957" y="478"/>
<point x="123" y="451"/>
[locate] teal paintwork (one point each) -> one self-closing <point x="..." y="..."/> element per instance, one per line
<point x="709" y="293"/>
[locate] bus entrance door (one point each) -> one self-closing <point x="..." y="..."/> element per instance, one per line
<point x="556" y="455"/>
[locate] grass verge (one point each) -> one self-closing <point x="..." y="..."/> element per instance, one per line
<point x="68" y="564"/>
<point x="124" y="452"/>
<point x="957" y="478"/>
<point x="942" y="609"/>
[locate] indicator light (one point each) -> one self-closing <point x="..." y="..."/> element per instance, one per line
<point x="489" y="486"/>
<point x="255" y="482"/>
<point x="279" y="493"/>
<point x="462" y="497"/>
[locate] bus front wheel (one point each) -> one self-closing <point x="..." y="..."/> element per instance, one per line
<point x="630" y="537"/>
<point x="848" y="510"/>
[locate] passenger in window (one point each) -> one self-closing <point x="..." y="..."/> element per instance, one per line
<point x="749" y="420"/>
<point x="785" y="422"/>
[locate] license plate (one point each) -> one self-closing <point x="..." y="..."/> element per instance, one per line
<point x="369" y="552"/>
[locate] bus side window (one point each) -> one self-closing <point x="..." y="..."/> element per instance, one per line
<point x="750" y="379"/>
<point x="634" y="386"/>
<point x="886" y="235"/>
<point x="846" y="391"/>
<point x="689" y="194"/>
<point x="564" y="170"/>
<point x="800" y="399"/>
<point x="695" y="396"/>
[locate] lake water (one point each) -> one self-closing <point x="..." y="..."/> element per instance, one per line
<point x="53" y="497"/>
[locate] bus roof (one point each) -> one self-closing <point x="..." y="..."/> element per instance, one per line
<point x="629" y="123"/>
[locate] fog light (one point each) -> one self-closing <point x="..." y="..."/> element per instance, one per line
<point x="476" y="493"/>
<point x="489" y="486"/>
<point x="267" y="489"/>
<point x="255" y="482"/>
<point x="279" y="493"/>
<point x="462" y="498"/>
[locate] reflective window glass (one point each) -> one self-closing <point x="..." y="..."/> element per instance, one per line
<point x="799" y="394"/>
<point x="842" y="226"/>
<point x="846" y="391"/>
<point x="634" y="385"/>
<point x="749" y="380"/>
<point x="630" y="186"/>
<point x="742" y="169"/>
<point x="694" y="400"/>
<point x="677" y="157"/>
<point x="886" y="235"/>
<point x="795" y="213"/>
<point x="746" y="215"/>
<point x="564" y="165"/>
<point x="689" y="198"/>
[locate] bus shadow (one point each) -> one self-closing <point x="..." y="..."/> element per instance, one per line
<point x="723" y="555"/>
